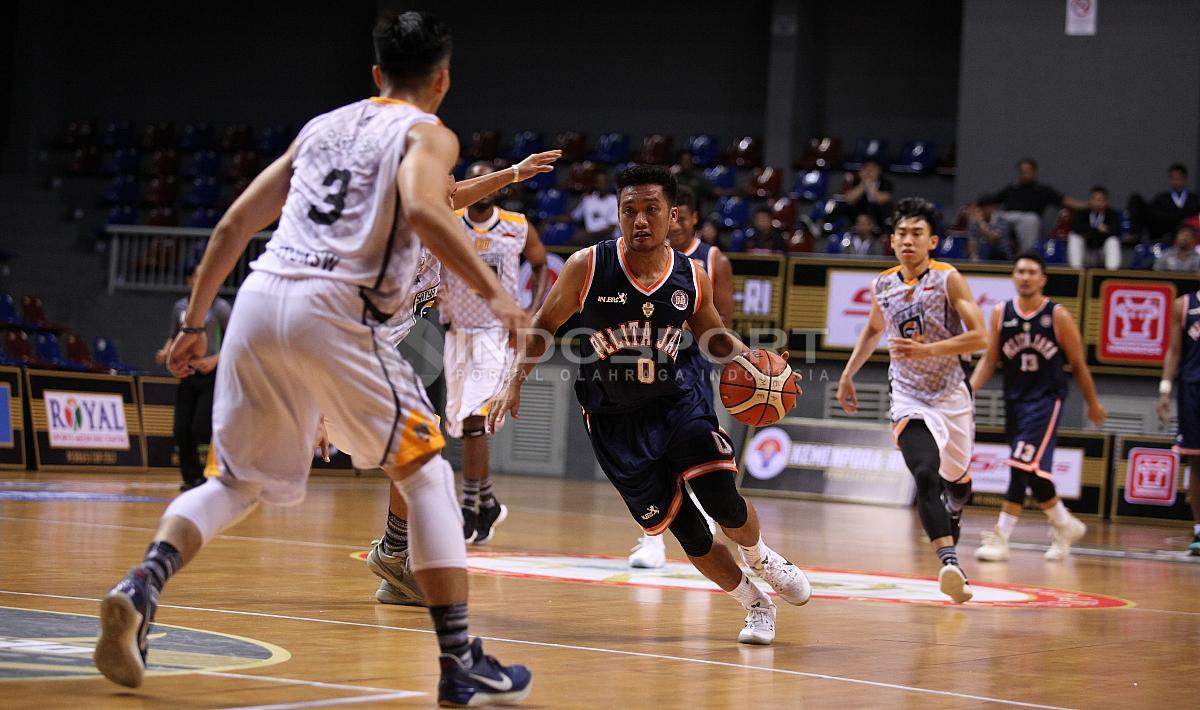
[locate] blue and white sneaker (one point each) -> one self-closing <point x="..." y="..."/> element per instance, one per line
<point x="483" y="683"/>
<point x="126" y="613"/>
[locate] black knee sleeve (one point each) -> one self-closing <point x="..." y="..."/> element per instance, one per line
<point x="1017" y="481"/>
<point x="1043" y="488"/>
<point x="473" y="432"/>
<point x="690" y="529"/>
<point x="923" y="459"/>
<point x="717" y="493"/>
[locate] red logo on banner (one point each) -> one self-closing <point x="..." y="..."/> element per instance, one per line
<point x="860" y="304"/>
<point x="1133" y="321"/>
<point x="1150" y="478"/>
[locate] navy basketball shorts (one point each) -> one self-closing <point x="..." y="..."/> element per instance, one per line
<point x="1032" y="429"/>
<point x="649" y="452"/>
<point x="1187" y="439"/>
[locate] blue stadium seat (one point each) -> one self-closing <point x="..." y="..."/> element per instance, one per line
<point x="121" y="214"/>
<point x="733" y="212"/>
<point x="952" y="247"/>
<point x="1143" y="257"/>
<point x="864" y="149"/>
<point x="916" y="157"/>
<point x="720" y="177"/>
<point x="118" y="134"/>
<point x="123" y="190"/>
<point x="272" y="141"/>
<point x="839" y="243"/>
<point x="557" y="233"/>
<point x="523" y="144"/>
<point x="122" y="162"/>
<point x="106" y="354"/>
<point x="204" y="218"/>
<point x="46" y="349"/>
<point x="737" y="240"/>
<point x="541" y="181"/>
<point x="8" y="314"/>
<point x="612" y="148"/>
<point x="1054" y="251"/>
<point x="550" y="203"/>
<point x="204" y="164"/>
<point x="196" y="136"/>
<point x="811" y="185"/>
<point x="205" y="192"/>
<point x="704" y="150"/>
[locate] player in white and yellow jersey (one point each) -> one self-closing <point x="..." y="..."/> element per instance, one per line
<point x="360" y="190"/>
<point x="476" y="355"/>
<point x="932" y="323"/>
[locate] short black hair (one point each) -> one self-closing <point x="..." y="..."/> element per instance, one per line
<point x="1032" y="256"/>
<point x="1178" y="168"/>
<point x="1099" y="188"/>
<point x="635" y="175"/>
<point x="410" y="45"/>
<point x="1185" y="227"/>
<point x="1031" y="161"/>
<point x="916" y="208"/>
<point x="685" y="197"/>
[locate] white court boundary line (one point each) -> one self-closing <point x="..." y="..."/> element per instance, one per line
<point x="593" y="649"/>
<point x="377" y="694"/>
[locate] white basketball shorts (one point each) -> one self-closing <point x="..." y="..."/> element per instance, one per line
<point x="297" y="348"/>
<point x="951" y="420"/>
<point x="477" y="361"/>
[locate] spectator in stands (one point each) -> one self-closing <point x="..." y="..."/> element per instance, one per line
<point x="1171" y="207"/>
<point x="597" y="211"/>
<point x="1023" y="203"/>
<point x="194" y="396"/>
<point x="709" y="231"/>
<point x="1183" y="255"/>
<point x="989" y="233"/>
<point x="869" y="193"/>
<point x="761" y="237"/>
<point x="1094" y="240"/>
<point x="688" y="175"/>
<point x="864" y="238"/>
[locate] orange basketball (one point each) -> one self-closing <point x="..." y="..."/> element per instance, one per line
<point x="758" y="388"/>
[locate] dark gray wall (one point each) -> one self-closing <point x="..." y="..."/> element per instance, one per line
<point x="1115" y="108"/>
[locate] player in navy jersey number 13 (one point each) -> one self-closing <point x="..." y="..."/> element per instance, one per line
<point x="649" y="431"/>
<point x="1030" y="338"/>
<point x="1181" y="375"/>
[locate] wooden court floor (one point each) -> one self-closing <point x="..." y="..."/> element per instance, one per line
<point x="279" y="612"/>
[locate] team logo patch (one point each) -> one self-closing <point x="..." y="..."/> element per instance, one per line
<point x="1025" y="327"/>
<point x="1046" y="321"/>
<point x="679" y="299"/>
<point x="647" y="309"/>
<point x="650" y="512"/>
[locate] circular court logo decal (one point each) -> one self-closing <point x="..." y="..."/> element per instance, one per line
<point x="44" y="645"/>
<point x="826" y="583"/>
<point x="767" y="455"/>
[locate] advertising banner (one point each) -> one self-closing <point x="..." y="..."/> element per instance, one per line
<point x="85" y="422"/>
<point x="12" y="419"/>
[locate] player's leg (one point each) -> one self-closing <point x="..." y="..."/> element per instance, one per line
<point x="490" y="363"/>
<point x="476" y="475"/>
<point x="390" y="561"/>
<point x="1187" y="444"/>
<point x="1194" y="496"/>
<point x="191" y="469"/>
<point x="994" y="543"/>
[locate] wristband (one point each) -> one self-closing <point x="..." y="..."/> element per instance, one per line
<point x="192" y="330"/>
<point x="516" y="174"/>
<point x="1164" y="387"/>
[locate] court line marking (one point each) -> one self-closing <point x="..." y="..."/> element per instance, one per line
<point x="331" y="701"/>
<point x="309" y="683"/>
<point x="593" y="649"/>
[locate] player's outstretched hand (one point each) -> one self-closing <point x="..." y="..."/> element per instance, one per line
<point x="796" y="376"/>
<point x="1097" y="414"/>
<point x="847" y="396"/>
<point x="537" y="163"/>
<point x="511" y="317"/>
<point x="322" y="445"/>
<point x="509" y="400"/>
<point x="185" y="350"/>
<point x="1164" y="409"/>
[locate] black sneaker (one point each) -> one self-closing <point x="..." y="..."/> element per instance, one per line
<point x="489" y="518"/>
<point x="469" y="525"/>
<point x="483" y="682"/>
<point x="125" y="616"/>
<point x="955" y="517"/>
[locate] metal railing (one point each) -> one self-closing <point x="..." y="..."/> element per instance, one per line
<point x="156" y="258"/>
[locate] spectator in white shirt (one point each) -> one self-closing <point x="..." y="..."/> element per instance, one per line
<point x="597" y="211"/>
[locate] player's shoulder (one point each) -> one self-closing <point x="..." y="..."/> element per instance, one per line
<point x="461" y="212"/>
<point x="513" y="217"/>
<point x="888" y="272"/>
<point x="941" y="266"/>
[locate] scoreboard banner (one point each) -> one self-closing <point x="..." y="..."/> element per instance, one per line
<point x="1081" y="464"/>
<point x="157" y="395"/>
<point x="825" y="460"/>
<point x="85" y="422"/>
<point x="1150" y="480"/>
<point x="758" y="292"/>
<point x="12" y="419"/>
<point x="1126" y="326"/>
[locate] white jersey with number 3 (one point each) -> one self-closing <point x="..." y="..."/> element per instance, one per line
<point x="342" y="219"/>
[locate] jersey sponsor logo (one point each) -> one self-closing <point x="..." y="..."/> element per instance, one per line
<point x="647" y="309"/>
<point x="636" y="335"/>
<point x="768" y="453"/>
<point x="1150" y="476"/>
<point x="323" y="260"/>
<point x="620" y="298"/>
<point x="650" y="512"/>
<point x="482" y="244"/>
<point x="679" y="299"/>
<point x="1133" y="321"/>
<point x="1009" y="323"/>
<point x="1024" y="341"/>
<point x="424" y="299"/>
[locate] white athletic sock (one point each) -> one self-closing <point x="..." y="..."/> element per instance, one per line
<point x="755" y="553"/>
<point x="435" y="538"/>
<point x="1059" y="515"/>
<point x="746" y="593"/>
<point x="1005" y="524"/>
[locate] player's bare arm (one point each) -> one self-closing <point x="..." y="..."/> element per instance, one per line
<point x="868" y="340"/>
<point x="535" y="255"/>
<point x="1171" y="361"/>
<point x="1071" y="342"/>
<point x="432" y="150"/>
<point x="986" y="367"/>
<point x="561" y="303"/>
<point x="722" y="283"/>
<point x="468" y="192"/>
<point x="252" y="211"/>
<point x="716" y="341"/>
<point x="972" y="339"/>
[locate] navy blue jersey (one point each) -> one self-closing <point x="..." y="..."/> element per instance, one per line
<point x="1030" y="354"/>
<point x="703" y="254"/>
<point x="632" y="335"/>
<point x="1189" y="355"/>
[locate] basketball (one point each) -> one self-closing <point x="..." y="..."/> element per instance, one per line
<point x="757" y="387"/>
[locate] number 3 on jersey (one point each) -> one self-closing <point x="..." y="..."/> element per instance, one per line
<point x="337" y="198"/>
<point x="1029" y="362"/>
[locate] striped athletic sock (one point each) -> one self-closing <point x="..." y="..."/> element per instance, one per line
<point x="486" y="498"/>
<point x="450" y="623"/>
<point x="947" y="555"/>
<point x="470" y="494"/>
<point x="161" y="561"/>
<point x="395" y="538"/>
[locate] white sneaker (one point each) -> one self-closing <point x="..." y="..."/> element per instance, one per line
<point x="953" y="583"/>
<point x="650" y="552"/>
<point x="760" y="623"/>
<point x="994" y="547"/>
<point x="1061" y="537"/>
<point x="788" y="580"/>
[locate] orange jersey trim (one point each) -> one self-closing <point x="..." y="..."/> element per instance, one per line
<point x="662" y="278"/>
<point x="587" y="282"/>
